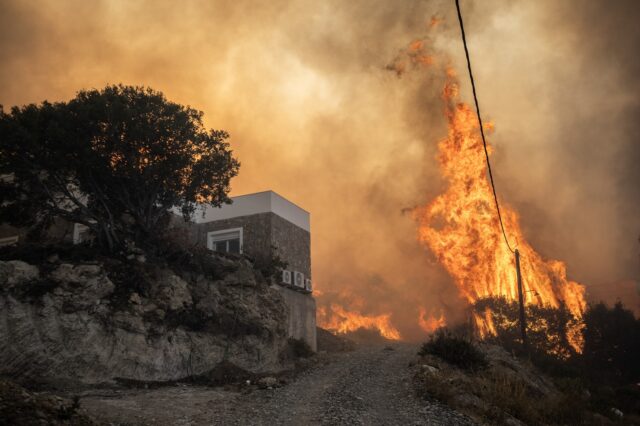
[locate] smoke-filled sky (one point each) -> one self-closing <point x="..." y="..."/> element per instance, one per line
<point x="314" y="114"/>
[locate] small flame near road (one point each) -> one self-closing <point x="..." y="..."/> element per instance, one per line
<point x="340" y="320"/>
<point x="429" y="322"/>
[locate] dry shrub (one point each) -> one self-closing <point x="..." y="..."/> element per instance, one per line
<point x="455" y="350"/>
<point x="436" y="386"/>
<point x="500" y="397"/>
<point x="499" y="393"/>
<point x="509" y="394"/>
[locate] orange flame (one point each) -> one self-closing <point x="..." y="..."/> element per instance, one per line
<point x="461" y="228"/>
<point x="435" y="21"/>
<point x="484" y="324"/>
<point x="340" y="320"/>
<point x="416" y="45"/>
<point x="424" y="59"/>
<point x="430" y="323"/>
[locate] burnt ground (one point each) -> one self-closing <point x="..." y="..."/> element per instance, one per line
<point x="368" y="386"/>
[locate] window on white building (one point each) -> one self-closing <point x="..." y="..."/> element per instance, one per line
<point x="226" y="240"/>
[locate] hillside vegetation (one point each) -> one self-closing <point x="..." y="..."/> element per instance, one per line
<point x="496" y="387"/>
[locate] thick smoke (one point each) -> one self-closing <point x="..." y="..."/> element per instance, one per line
<point x="314" y="114"/>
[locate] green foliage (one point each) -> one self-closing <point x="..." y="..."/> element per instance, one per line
<point x="611" y="339"/>
<point x="188" y="258"/>
<point x="611" y="344"/>
<point x="38" y="253"/>
<point x="608" y="365"/>
<point x="455" y="350"/>
<point x="270" y="266"/>
<point x="115" y="160"/>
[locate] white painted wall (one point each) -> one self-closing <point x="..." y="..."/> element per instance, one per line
<point x="260" y="202"/>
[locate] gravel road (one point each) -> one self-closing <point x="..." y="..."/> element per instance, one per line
<point x="369" y="386"/>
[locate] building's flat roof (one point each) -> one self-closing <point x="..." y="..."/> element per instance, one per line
<point x="259" y="202"/>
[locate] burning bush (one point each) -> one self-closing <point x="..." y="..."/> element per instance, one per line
<point x="547" y="327"/>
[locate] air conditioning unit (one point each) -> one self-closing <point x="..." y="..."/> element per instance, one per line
<point x="298" y="279"/>
<point x="307" y="284"/>
<point x="286" y="276"/>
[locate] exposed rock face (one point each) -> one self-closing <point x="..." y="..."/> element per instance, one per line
<point x="71" y="322"/>
<point x="16" y="272"/>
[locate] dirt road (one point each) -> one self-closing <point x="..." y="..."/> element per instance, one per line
<point x="369" y="386"/>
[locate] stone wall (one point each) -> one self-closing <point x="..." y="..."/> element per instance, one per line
<point x="293" y="244"/>
<point x="256" y="232"/>
<point x="261" y="232"/>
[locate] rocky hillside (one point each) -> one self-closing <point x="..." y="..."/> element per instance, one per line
<point x="96" y="321"/>
<point x="493" y="387"/>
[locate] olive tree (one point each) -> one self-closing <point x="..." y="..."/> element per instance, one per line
<point x="116" y="160"/>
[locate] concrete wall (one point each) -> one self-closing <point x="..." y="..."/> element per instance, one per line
<point x="301" y="318"/>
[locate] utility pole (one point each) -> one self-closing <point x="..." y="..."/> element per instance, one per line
<point x="523" y="319"/>
<point x="523" y="324"/>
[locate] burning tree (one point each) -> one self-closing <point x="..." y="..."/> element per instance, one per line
<point x="115" y="160"/>
<point x="462" y="229"/>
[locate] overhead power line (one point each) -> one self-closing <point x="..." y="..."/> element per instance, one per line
<point x="523" y="319"/>
<point x="484" y="142"/>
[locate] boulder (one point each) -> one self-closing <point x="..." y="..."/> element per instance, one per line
<point x="428" y="369"/>
<point x="171" y="292"/>
<point x="15" y="272"/>
<point x="80" y="287"/>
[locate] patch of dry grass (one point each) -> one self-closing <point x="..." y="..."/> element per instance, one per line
<point x="505" y="395"/>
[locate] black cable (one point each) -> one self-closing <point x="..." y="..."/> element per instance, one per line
<point x="484" y="142"/>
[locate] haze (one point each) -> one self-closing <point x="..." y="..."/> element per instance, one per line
<point x="315" y="115"/>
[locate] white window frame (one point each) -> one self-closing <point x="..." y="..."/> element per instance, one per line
<point x="8" y="241"/>
<point x="212" y="234"/>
